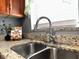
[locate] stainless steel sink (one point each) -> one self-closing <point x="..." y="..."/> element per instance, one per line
<point x="28" y="49"/>
<point x="2" y="56"/>
<point x="54" y="53"/>
<point x="66" y="54"/>
<point x="43" y="54"/>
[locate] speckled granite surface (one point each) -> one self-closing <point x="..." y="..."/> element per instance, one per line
<point x="10" y="54"/>
<point x="7" y="52"/>
<point x="65" y="36"/>
<point x="62" y="46"/>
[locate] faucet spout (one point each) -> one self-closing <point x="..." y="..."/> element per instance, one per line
<point x="43" y="17"/>
<point x="50" y="28"/>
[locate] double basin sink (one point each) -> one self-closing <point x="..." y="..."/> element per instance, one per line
<point x="41" y="51"/>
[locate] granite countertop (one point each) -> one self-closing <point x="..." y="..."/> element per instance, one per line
<point x="7" y="52"/>
<point x="10" y="54"/>
<point x="62" y="46"/>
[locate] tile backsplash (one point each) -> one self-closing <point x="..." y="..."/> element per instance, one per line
<point x="12" y="21"/>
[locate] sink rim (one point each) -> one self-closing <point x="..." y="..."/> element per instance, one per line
<point x="39" y="52"/>
<point x="52" y="48"/>
<point x="27" y="44"/>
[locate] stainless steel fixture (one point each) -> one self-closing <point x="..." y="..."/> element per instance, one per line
<point x="43" y="17"/>
<point x="54" y="53"/>
<point x="51" y="31"/>
<point x="28" y="49"/>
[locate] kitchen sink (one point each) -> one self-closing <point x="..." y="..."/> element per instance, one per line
<point x="2" y="56"/>
<point x="43" y="54"/>
<point x="28" y="49"/>
<point x="66" y="54"/>
<point x="54" y="53"/>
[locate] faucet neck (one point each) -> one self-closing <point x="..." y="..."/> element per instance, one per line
<point x="43" y="17"/>
<point x="50" y="28"/>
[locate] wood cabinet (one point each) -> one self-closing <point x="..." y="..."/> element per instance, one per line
<point x="17" y="7"/>
<point x="12" y="7"/>
<point x="4" y="6"/>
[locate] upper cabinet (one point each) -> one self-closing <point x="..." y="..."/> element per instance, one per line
<point x="4" y="6"/>
<point x="17" y="7"/>
<point x="12" y="7"/>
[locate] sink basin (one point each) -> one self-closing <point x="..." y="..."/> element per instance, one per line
<point x="2" y="57"/>
<point x="54" y="53"/>
<point x="28" y="49"/>
<point x="66" y="54"/>
<point x="43" y="54"/>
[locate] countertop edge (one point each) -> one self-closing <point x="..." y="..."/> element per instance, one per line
<point x="10" y="54"/>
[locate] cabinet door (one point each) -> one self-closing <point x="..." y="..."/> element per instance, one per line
<point x="4" y="6"/>
<point x="17" y="7"/>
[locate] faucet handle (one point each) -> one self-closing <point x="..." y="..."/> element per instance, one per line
<point x="52" y="39"/>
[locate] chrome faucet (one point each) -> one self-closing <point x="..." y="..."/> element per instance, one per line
<point x="51" y="31"/>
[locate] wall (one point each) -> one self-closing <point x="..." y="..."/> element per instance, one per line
<point x="77" y="24"/>
<point x="13" y="21"/>
<point x="56" y="10"/>
<point x="58" y="24"/>
<point x="25" y="22"/>
<point x="9" y="20"/>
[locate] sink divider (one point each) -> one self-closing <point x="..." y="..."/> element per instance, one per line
<point x="31" y="48"/>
